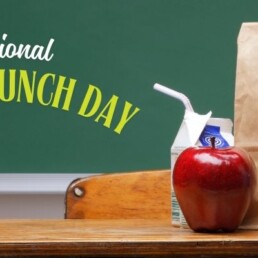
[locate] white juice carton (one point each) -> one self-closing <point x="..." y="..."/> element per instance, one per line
<point x="195" y="130"/>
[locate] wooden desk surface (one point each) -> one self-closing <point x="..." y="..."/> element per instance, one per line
<point x="118" y="238"/>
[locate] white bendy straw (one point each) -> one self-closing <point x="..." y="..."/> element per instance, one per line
<point x="175" y="94"/>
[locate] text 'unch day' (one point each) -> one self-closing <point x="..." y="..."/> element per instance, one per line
<point x="57" y="91"/>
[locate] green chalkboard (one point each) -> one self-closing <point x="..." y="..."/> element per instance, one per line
<point x="77" y="76"/>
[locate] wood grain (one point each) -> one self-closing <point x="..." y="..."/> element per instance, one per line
<point x="116" y="238"/>
<point x="139" y="195"/>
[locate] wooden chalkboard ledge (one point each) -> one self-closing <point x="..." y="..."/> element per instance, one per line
<point x="118" y="238"/>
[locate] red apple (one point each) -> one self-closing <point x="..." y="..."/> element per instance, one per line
<point x="214" y="186"/>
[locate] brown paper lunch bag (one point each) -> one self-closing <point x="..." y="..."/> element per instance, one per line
<point x="246" y="104"/>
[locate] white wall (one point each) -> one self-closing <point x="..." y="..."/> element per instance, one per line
<point x="31" y="206"/>
<point x="34" y="196"/>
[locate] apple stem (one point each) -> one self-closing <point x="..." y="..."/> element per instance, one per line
<point x="213" y="140"/>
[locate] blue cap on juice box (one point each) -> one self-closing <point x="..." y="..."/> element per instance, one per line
<point x="212" y="131"/>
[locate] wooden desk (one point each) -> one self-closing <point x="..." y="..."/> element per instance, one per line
<point x="137" y="238"/>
